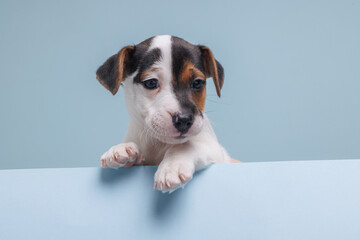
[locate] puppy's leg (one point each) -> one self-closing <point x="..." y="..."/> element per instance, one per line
<point x="174" y="172"/>
<point x="121" y="155"/>
<point x="181" y="161"/>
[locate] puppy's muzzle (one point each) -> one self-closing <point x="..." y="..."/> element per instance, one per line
<point x="182" y="122"/>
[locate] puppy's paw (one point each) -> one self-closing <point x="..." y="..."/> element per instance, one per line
<point x="171" y="176"/>
<point x="122" y="155"/>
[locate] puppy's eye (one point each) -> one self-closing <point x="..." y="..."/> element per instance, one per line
<point x="197" y="84"/>
<point x="151" y="83"/>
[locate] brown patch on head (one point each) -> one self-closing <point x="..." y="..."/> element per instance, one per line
<point x="188" y="74"/>
<point x="145" y="73"/>
<point x="199" y="99"/>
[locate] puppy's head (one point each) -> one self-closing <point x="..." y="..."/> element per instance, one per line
<point x="164" y="79"/>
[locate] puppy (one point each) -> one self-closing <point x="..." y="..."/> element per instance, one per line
<point x="164" y="81"/>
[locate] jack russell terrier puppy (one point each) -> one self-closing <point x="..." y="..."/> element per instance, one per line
<point x="164" y="81"/>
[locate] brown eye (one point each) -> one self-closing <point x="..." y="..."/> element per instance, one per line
<point x="151" y="83"/>
<point x="197" y="84"/>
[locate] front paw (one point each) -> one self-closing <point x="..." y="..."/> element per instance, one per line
<point x="171" y="176"/>
<point x="122" y="155"/>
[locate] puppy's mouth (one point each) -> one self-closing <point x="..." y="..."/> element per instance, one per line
<point x="177" y="139"/>
<point x="181" y="136"/>
<point x="163" y="129"/>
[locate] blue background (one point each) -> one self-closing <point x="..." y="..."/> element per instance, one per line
<point x="291" y="88"/>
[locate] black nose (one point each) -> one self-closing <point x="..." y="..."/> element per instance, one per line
<point x="182" y="122"/>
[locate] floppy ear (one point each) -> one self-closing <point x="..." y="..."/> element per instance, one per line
<point x="115" y="69"/>
<point x="212" y="68"/>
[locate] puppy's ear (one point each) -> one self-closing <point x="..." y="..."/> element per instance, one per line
<point x="212" y="68"/>
<point x="115" y="69"/>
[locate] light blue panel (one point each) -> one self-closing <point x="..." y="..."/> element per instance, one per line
<point x="291" y="90"/>
<point x="283" y="200"/>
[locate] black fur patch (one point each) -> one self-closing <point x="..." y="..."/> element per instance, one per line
<point x="139" y="52"/>
<point x="148" y="59"/>
<point x="109" y="71"/>
<point x="182" y="52"/>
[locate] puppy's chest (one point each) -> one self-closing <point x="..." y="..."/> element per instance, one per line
<point x="153" y="152"/>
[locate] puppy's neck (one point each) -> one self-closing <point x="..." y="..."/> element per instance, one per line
<point x="149" y="146"/>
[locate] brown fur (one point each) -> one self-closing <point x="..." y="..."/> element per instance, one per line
<point x="190" y="73"/>
<point x="199" y="99"/>
<point x="123" y="62"/>
<point x="211" y="68"/>
<point x="146" y="72"/>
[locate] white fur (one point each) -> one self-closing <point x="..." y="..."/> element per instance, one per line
<point x="151" y="135"/>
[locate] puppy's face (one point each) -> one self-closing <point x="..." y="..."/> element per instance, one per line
<point x="164" y="79"/>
